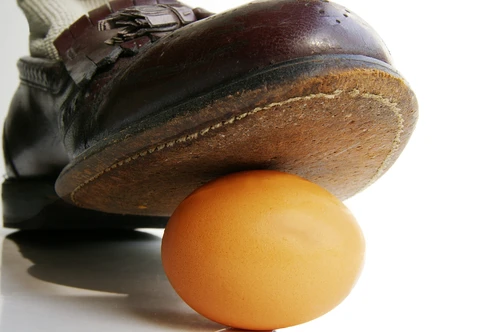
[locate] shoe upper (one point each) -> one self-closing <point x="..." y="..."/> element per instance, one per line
<point x="106" y="83"/>
<point x="32" y="141"/>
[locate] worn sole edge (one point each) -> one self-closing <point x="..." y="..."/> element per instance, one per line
<point x="196" y="135"/>
<point x="276" y="73"/>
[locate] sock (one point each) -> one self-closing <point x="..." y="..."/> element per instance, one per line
<point x="48" y="18"/>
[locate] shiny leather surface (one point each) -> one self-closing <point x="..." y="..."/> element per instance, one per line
<point x="188" y="62"/>
<point x="32" y="139"/>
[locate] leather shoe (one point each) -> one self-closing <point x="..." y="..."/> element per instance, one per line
<point x="152" y="98"/>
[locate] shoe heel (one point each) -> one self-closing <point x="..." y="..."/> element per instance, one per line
<point x="34" y="204"/>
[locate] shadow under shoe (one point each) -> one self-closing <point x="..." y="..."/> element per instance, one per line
<point x="124" y="267"/>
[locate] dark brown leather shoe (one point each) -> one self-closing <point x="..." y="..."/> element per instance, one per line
<point x="151" y="100"/>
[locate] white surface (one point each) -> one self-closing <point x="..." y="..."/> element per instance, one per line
<point x="431" y="223"/>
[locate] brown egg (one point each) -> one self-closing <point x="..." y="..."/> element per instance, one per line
<point x="262" y="250"/>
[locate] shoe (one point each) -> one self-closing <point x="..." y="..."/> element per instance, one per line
<point x="153" y="99"/>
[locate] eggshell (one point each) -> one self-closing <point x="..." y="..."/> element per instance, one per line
<point x="262" y="250"/>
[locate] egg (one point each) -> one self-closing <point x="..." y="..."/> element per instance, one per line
<point x="262" y="250"/>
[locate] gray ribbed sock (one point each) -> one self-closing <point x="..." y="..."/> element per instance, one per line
<point x="48" y="18"/>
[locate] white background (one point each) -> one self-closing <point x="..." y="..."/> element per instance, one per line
<point x="431" y="223"/>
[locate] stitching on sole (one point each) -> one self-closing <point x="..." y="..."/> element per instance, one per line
<point x="393" y="106"/>
<point x="397" y="138"/>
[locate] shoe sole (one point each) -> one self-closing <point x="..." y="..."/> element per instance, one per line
<point x="338" y="121"/>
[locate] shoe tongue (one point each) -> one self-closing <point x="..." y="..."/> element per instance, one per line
<point x="108" y="32"/>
